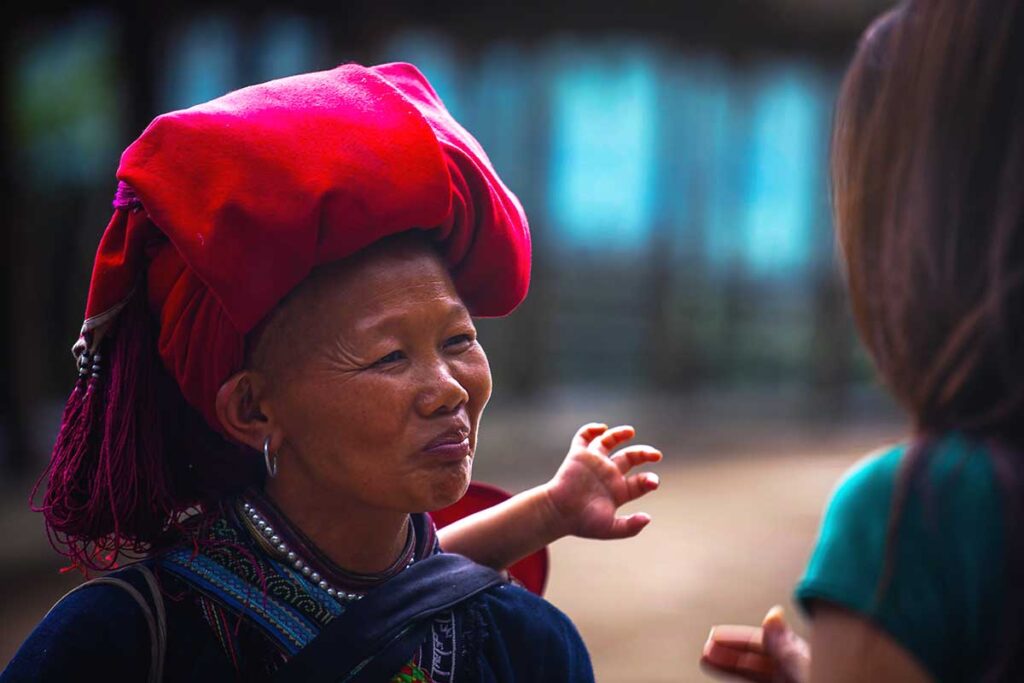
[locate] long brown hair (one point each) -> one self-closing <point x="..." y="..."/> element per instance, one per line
<point x="928" y="192"/>
<point x="928" y="182"/>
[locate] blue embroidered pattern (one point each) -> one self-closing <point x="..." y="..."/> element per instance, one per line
<point x="231" y="569"/>
<point x="326" y="601"/>
<point x="280" y="620"/>
<point x="227" y="567"/>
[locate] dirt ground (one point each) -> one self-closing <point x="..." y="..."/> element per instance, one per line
<point x="728" y="541"/>
<point x="734" y="522"/>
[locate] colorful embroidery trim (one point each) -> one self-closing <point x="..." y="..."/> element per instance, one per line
<point x="411" y="673"/>
<point x="233" y="575"/>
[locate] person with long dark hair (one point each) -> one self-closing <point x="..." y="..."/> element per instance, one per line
<point x="916" y="573"/>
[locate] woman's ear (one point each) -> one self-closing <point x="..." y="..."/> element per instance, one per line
<point x="238" y="409"/>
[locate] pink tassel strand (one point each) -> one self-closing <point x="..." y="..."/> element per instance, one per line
<point x="108" y="484"/>
<point x="133" y="463"/>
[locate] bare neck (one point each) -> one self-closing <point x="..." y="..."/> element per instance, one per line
<point x="354" y="536"/>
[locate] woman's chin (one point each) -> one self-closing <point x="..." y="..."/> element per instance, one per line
<point x="447" y="490"/>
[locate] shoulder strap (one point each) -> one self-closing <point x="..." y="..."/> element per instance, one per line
<point x="374" y="637"/>
<point x="157" y="673"/>
<point x="157" y="624"/>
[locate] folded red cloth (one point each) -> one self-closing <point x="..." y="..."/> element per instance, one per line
<point x="225" y="207"/>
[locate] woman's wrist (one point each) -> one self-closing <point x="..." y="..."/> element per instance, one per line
<point x="500" y="536"/>
<point x="554" y="521"/>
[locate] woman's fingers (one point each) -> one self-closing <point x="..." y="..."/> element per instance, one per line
<point x="639" y="484"/>
<point x="587" y="433"/>
<point x="772" y="652"/>
<point x="790" y="652"/>
<point x="629" y="526"/>
<point x="738" y="651"/>
<point x="749" y="666"/>
<point x="634" y="456"/>
<point x="738" y="637"/>
<point x="608" y="441"/>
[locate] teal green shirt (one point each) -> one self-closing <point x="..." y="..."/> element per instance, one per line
<point x="943" y="599"/>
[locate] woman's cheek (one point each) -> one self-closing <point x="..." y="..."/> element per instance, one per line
<point x="478" y="377"/>
<point x="380" y="408"/>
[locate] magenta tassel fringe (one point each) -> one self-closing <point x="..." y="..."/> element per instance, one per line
<point x="132" y="460"/>
<point x="109" y="486"/>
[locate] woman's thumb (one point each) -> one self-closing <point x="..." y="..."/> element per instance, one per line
<point x="789" y="651"/>
<point x="775" y="621"/>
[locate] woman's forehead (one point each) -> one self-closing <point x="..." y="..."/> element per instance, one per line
<point x="380" y="291"/>
<point x="383" y="297"/>
<point x="412" y="312"/>
<point x="385" y="276"/>
<point x="376" y="292"/>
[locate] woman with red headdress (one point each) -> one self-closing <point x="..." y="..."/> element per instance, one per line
<point x="279" y="377"/>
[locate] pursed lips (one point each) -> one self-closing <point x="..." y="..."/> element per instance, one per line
<point x="453" y="442"/>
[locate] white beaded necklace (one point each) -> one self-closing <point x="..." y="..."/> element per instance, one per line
<point x="300" y="565"/>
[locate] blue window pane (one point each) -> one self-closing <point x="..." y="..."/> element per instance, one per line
<point x="204" y="63"/>
<point x="784" y="180"/>
<point x="289" y="45"/>
<point x="603" y="136"/>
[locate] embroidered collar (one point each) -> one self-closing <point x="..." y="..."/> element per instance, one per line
<point x="287" y="543"/>
<point x="229" y="563"/>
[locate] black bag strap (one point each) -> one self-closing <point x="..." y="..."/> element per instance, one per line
<point x="155" y="616"/>
<point x="377" y="635"/>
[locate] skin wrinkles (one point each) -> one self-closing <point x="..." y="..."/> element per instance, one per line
<point x="372" y="359"/>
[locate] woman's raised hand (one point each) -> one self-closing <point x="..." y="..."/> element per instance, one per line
<point x="594" y="481"/>
<point x="581" y="499"/>
<point x="771" y="653"/>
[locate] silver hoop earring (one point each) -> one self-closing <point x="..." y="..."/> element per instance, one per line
<point x="269" y="460"/>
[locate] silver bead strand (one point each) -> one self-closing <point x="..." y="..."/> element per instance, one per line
<point x="278" y="543"/>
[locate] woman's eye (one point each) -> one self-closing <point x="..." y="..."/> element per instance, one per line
<point x="458" y="340"/>
<point x="392" y="357"/>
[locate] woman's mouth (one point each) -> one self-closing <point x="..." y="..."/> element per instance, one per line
<point x="452" y="445"/>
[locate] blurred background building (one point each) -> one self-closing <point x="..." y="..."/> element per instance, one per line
<point x="672" y="158"/>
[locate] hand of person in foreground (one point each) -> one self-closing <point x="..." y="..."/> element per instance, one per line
<point x="594" y="481"/>
<point x="582" y="499"/>
<point x="771" y="653"/>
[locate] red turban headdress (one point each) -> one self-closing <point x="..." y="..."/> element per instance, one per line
<point x="227" y="206"/>
<point x="222" y="209"/>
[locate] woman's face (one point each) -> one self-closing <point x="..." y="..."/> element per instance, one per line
<point x="376" y="382"/>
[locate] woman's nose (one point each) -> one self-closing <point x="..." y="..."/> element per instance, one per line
<point x="442" y="392"/>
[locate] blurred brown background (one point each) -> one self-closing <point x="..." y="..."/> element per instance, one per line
<point x="672" y="158"/>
